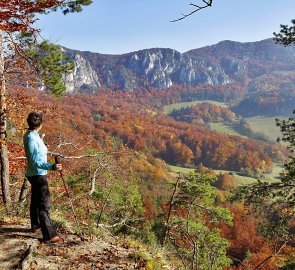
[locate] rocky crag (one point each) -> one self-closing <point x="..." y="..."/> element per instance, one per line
<point x="224" y="63"/>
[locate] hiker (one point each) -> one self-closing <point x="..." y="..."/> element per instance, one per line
<point x="37" y="166"/>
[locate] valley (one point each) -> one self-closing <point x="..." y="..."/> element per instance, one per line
<point x="239" y="177"/>
<point x="129" y="123"/>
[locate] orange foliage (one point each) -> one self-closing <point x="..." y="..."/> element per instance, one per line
<point x="99" y="118"/>
<point x="203" y="113"/>
<point x="248" y="247"/>
<point x="17" y="15"/>
<point x="225" y="181"/>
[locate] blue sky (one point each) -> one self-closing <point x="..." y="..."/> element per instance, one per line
<point x="121" y="26"/>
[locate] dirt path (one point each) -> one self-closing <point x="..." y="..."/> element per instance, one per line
<point x="21" y="249"/>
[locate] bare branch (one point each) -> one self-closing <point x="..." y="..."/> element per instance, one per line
<point x="72" y="144"/>
<point x="166" y="232"/>
<point x="269" y="257"/>
<point x="81" y="156"/>
<point x="123" y="222"/>
<point x="93" y="180"/>
<point x="207" y="3"/>
<point x="98" y="154"/>
<point x="18" y="158"/>
<point x="73" y="157"/>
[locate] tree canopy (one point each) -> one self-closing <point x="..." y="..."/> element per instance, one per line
<point x="18" y="15"/>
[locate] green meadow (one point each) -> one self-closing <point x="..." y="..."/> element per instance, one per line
<point x="265" y="125"/>
<point x="240" y="178"/>
<point x="176" y="106"/>
<point x="258" y="124"/>
<point x="225" y="128"/>
<point x="262" y="125"/>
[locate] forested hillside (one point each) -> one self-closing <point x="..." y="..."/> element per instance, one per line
<point x="118" y="148"/>
<point x="157" y="159"/>
<point x="114" y="145"/>
<point x="243" y="73"/>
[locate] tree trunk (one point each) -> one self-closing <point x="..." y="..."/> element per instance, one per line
<point x="167" y="223"/>
<point x="4" y="163"/>
<point x="23" y="191"/>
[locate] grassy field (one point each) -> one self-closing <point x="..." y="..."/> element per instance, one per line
<point x="169" y="108"/>
<point x="177" y="169"/>
<point x="265" y="125"/>
<point x="224" y="128"/>
<point x="241" y="180"/>
<point x="259" y="124"/>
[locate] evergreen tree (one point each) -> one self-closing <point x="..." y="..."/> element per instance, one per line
<point x="286" y="36"/>
<point x="189" y="227"/>
<point x="274" y="201"/>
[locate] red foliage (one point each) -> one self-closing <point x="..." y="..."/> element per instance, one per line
<point x="17" y="15"/>
<point x="203" y="113"/>
<point x="17" y="160"/>
<point x="149" y="208"/>
<point x="225" y="181"/>
<point x="248" y="247"/>
<point x="128" y="116"/>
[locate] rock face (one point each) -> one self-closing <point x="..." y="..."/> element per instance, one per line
<point x="221" y="64"/>
<point x="83" y="78"/>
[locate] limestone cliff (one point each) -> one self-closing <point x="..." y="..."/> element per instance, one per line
<point x="221" y="64"/>
<point x="83" y="78"/>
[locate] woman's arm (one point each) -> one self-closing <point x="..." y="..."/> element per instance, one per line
<point x="35" y="158"/>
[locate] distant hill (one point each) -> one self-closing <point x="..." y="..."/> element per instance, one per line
<point x="262" y="51"/>
<point x="262" y="70"/>
<point x="221" y="64"/>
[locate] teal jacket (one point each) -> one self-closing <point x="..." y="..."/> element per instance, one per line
<point x="36" y="153"/>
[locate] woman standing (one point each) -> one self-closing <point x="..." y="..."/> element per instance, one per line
<point x="37" y="166"/>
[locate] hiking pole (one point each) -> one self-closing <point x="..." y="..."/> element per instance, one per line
<point x="57" y="161"/>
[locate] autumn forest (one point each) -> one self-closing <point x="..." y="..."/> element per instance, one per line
<point x="182" y="171"/>
<point x="124" y="138"/>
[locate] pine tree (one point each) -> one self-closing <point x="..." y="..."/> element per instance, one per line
<point x="189" y="224"/>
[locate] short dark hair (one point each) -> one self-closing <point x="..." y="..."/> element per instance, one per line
<point x="34" y="120"/>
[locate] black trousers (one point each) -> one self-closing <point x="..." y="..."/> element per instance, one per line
<point x="40" y="205"/>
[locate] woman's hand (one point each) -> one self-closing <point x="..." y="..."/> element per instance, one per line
<point x="57" y="166"/>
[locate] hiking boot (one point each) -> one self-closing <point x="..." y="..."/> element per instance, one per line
<point x="55" y="240"/>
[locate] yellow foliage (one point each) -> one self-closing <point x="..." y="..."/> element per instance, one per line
<point x="149" y="265"/>
<point x="151" y="112"/>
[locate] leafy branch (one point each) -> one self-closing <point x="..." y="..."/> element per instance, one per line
<point x="286" y="36"/>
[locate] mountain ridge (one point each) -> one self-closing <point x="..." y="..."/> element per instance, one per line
<point x="224" y="63"/>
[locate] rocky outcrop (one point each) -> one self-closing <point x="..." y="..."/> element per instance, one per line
<point x="221" y="64"/>
<point x="83" y="78"/>
<point x="159" y="68"/>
